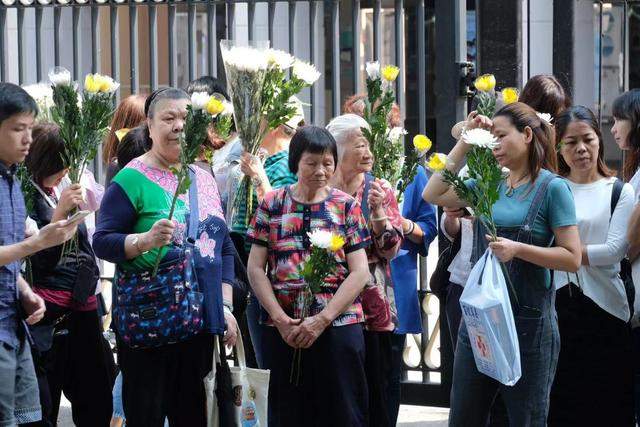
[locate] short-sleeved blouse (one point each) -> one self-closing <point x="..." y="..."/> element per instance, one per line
<point x="281" y="225"/>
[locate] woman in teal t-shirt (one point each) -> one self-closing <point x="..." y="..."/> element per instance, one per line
<point x="535" y="210"/>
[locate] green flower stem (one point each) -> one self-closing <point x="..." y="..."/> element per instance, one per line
<point x="171" y="211"/>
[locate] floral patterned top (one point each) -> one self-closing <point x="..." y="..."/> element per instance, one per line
<point x="378" y="299"/>
<point x="281" y="224"/>
<point x="140" y="195"/>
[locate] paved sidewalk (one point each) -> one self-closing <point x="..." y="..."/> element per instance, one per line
<point x="410" y="416"/>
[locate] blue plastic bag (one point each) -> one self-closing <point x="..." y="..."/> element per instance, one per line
<point x="488" y="315"/>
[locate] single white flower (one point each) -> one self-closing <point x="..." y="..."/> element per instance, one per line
<point x="545" y="116"/>
<point x="246" y="59"/>
<point x="280" y="59"/>
<point x="480" y="138"/>
<point x="60" y="76"/>
<point x="395" y="134"/>
<point x="320" y="238"/>
<point x="41" y="93"/>
<point x="199" y="100"/>
<point x="373" y="70"/>
<point x="305" y="72"/>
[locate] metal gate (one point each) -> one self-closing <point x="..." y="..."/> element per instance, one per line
<point x="147" y="44"/>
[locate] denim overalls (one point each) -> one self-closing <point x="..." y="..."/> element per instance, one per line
<point x="527" y="401"/>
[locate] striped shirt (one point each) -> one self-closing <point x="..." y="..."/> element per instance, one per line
<point x="277" y="170"/>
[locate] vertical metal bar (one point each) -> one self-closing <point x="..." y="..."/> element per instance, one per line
<point x="153" y="46"/>
<point x="75" y="13"/>
<point x="600" y="65"/>
<point x="270" y="19"/>
<point x="625" y="57"/>
<point x="231" y="19"/>
<point x="95" y="36"/>
<point x="312" y="56"/>
<point x="356" y="26"/>
<point x="21" y="70"/>
<point x="212" y="38"/>
<point x="422" y="70"/>
<point x="399" y="36"/>
<point x="528" y="40"/>
<point x="292" y="27"/>
<point x="57" y="19"/>
<point x="3" y="26"/>
<point x="38" y="43"/>
<point x="173" y="71"/>
<point x="335" y="56"/>
<point x="251" y="16"/>
<point x="377" y="37"/>
<point x="133" y="47"/>
<point x="191" y="33"/>
<point x="115" y="43"/>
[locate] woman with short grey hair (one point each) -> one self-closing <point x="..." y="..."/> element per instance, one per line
<point x="380" y="209"/>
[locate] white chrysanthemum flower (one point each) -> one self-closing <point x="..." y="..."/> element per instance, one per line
<point x="60" y="76"/>
<point x="279" y="58"/>
<point x="373" y="70"/>
<point x="41" y="93"/>
<point x="545" y="116"/>
<point x="320" y="238"/>
<point x="480" y="138"/>
<point x="305" y="72"/>
<point x="396" y="133"/>
<point x="246" y="59"/>
<point x="228" y="108"/>
<point x="199" y="100"/>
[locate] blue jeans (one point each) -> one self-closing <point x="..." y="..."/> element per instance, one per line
<point x="256" y="329"/>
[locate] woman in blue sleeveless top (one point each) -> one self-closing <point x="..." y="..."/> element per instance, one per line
<point x="535" y="210"/>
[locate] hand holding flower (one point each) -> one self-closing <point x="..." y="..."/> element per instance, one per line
<point x="504" y="249"/>
<point x="304" y="335"/>
<point x="251" y="166"/>
<point x="376" y="196"/>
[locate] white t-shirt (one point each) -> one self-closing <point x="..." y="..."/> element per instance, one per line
<point x="605" y="238"/>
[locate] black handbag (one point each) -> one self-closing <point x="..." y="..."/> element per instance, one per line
<point x="440" y="277"/>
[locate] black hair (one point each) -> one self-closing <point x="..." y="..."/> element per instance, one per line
<point x="15" y="100"/>
<point x="133" y="144"/>
<point x="45" y="155"/>
<point x="207" y="84"/>
<point x="311" y="139"/>
<point x="627" y="107"/>
<point x="159" y="95"/>
<point x="578" y="113"/>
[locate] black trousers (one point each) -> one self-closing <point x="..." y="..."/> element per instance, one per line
<point x="166" y="382"/>
<point x="332" y="390"/>
<point x="80" y="364"/>
<point x="594" y="379"/>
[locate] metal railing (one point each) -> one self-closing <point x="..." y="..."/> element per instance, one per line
<point x="143" y="45"/>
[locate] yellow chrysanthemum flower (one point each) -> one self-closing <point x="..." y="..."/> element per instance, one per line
<point x="509" y="95"/>
<point x="337" y="242"/>
<point x="215" y="106"/>
<point x="422" y="143"/>
<point x="90" y="84"/>
<point x="437" y="162"/>
<point x="104" y="82"/>
<point x="485" y="83"/>
<point x="120" y="133"/>
<point x="390" y="73"/>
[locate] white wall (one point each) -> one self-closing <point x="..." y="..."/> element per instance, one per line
<point x="541" y="46"/>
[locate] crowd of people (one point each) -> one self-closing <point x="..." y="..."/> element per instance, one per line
<point x="569" y="233"/>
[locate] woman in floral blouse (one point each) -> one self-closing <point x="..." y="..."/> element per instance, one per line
<point x="332" y="389"/>
<point x="380" y="208"/>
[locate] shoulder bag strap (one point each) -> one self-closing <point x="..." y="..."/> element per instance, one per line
<point x="615" y="194"/>
<point x="193" y="206"/>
